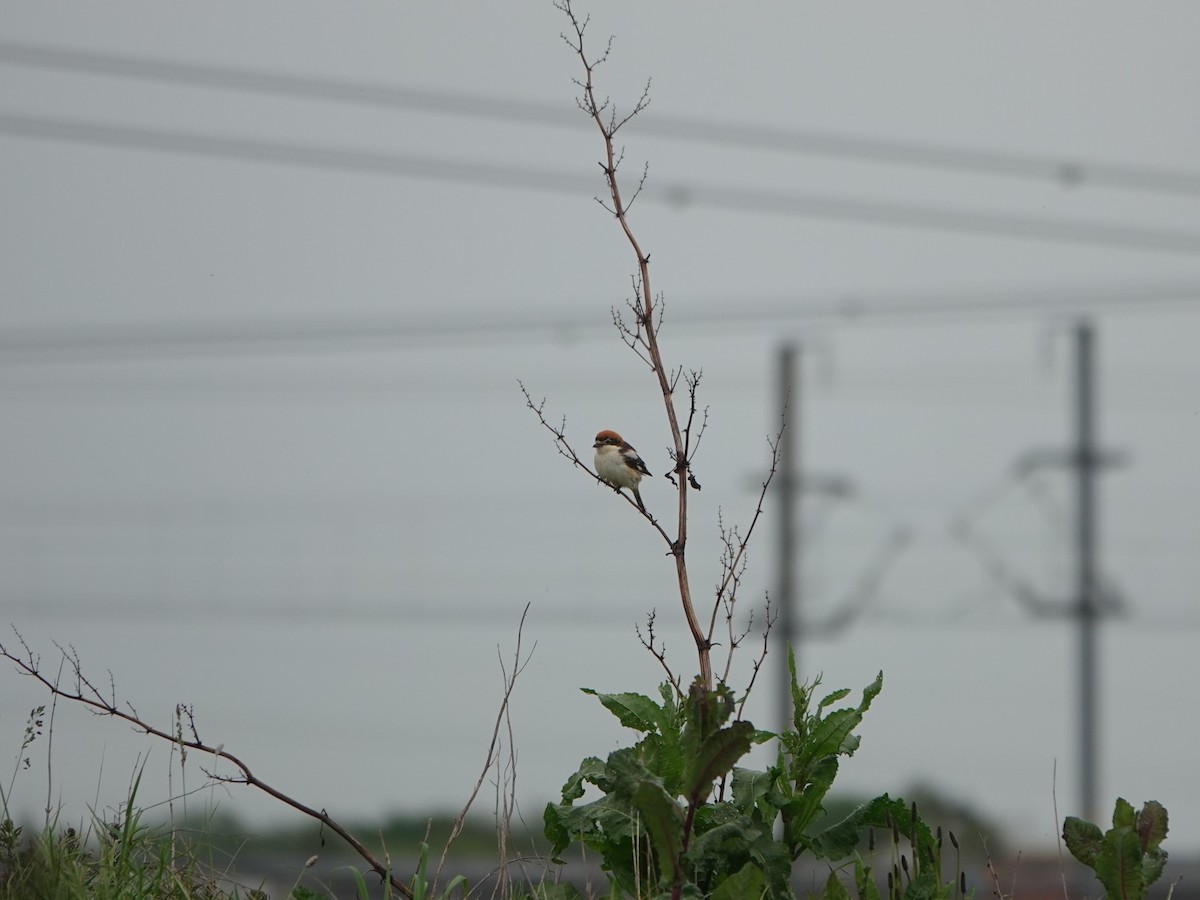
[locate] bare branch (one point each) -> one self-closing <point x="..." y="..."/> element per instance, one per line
<point x="633" y="338"/>
<point x="658" y="650"/>
<point x="510" y="682"/>
<point x="85" y="693"/>
<point x="641" y="184"/>
<point x="692" y="446"/>
<point x="771" y="616"/>
<point x="639" y="107"/>
<point x="730" y="565"/>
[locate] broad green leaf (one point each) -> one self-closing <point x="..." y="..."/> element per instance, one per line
<point x="1123" y="814"/>
<point x="831" y="699"/>
<point x="925" y="887"/>
<point x="833" y="734"/>
<point x="775" y="861"/>
<point x="589" y="771"/>
<point x="663" y="820"/>
<point x="1119" y="865"/>
<point x="838" y="841"/>
<point x="750" y="786"/>
<point x="635" y="711"/>
<point x="1152" y="865"/>
<point x="802" y="809"/>
<point x="747" y="883"/>
<point x="601" y="825"/>
<point x="714" y="758"/>
<point x="626" y="769"/>
<point x="554" y="827"/>
<point x="716" y="847"/>
<point x="1083" y="839"/>
<point x="704" y="713"/>
<point x="864" y="881"/>
<point x="1152" y="825"/>
<point x="834" y="889"/>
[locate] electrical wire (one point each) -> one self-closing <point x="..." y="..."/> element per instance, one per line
<point x="253" y="337"/>
<point x="1068" y="172"/>
<point x="487" y="174"/>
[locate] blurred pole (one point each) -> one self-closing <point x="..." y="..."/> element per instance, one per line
<point x="787" y="490"/>
<point x="1085" y="470"/>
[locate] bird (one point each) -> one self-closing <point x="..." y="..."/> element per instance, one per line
<point x="619" y="464"/>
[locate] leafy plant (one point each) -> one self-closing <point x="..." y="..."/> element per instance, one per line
<point x="1127" y="858"/>
<point x="677" y="816"/>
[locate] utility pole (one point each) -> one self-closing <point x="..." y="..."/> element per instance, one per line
<point x="1086" y="461"/>
<point x="790" y="486"/>
<point x="787" y="489"/>
<point x="1091" y="600"/>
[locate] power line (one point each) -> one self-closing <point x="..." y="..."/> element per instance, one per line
<point x="336" y="609"/>
<point x="339" y="609"/>
<point x="192" y="339"/>
<point x="732" y="199"/>
<point x="1069" y="172"/>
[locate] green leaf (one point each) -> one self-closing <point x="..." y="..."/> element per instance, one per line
<point x="663" y="819"/>
<point x="361" y="883"/>
<point x="833" y="734"/>
<point x="747" y="883"/>
<point x="590" y="770"/>
<point x="802" y="809"/>
<point x="419" y="883"/>
<point x="1152" y="865"/>
<point x="1119" y="865"/>
<point x="704" y="713"/>
<point x="715" y="758"/>
<point x="834" y="889"/>
<point x="864" y="882"/>
<point x="604" y="825"/>
<point x="775" y="861"/>
<point x="1123" y="814"/>
<point x="1083" y="839"/>
<point x="635" y="711"/>
<point x="750" y="787"/>
<point x="925" y="887"/>
<point x="833" y="698"/>
<point x="871" y="691"/>
<point x="723" y="846"/>
<point x="800" y="693"/>
<point x="460" y="882"/>
<point x="1152" y="825"/>
<point x="838" y="841"/>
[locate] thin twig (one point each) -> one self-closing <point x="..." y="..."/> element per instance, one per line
<point x="731" y="566"/>
<point x="762" y="656"/>
<point x="510" y="682"/>
<point x="658" y="650"/>
<point x="99" y="704"/>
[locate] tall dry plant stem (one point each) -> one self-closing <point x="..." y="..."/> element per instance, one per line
<point x="605" y="117"/>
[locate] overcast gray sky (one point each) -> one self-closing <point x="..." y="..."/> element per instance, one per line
<point x="263" y="449"/>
